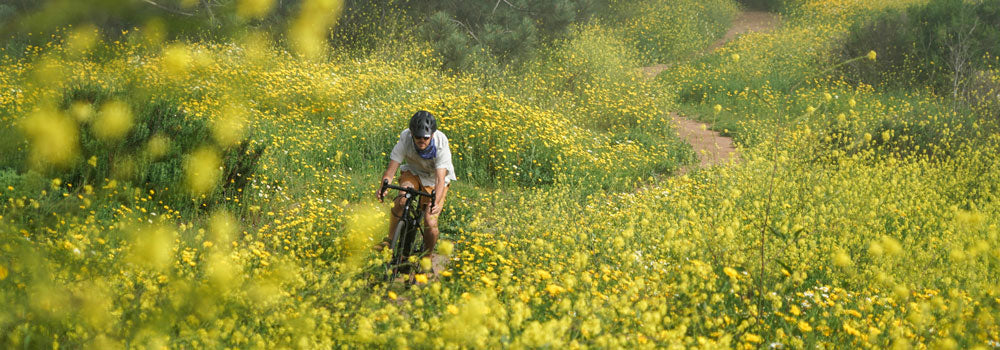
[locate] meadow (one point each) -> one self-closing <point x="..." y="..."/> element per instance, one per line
<point x="209" y="194"/>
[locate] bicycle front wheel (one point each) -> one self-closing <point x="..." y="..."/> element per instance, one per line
<point x="397" y="250"/>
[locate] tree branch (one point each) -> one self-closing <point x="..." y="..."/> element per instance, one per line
<point x="467" y="28"/>
<point x="174" y="11"/>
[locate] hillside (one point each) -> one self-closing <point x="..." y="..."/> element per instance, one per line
<point x="163" y="189"/>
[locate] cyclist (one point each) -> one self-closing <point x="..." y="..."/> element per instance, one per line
<point x="424" y="160"/>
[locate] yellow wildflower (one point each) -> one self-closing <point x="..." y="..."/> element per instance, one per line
<point x="731" y="273"/>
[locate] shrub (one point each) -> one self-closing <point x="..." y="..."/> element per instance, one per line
<point x="938" y="45"/>
<point x="665" y="31"/>
<point x="151" y="154"/>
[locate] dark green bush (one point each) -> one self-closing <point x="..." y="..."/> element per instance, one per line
<point x="128" y="159"/>
<point x="509" y="31"/>
<point x="778" y="6"/>
<point x="935" y="45"/>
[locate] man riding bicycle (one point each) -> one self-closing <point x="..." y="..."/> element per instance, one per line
<point x="423" y="152"/>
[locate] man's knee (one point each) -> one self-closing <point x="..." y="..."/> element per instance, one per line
<point x="432" y="222"/>
<point x="398" y="208"/>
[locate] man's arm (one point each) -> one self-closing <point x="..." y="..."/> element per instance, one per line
<point x="440" y="189"/>
<point x="390" y="173"/>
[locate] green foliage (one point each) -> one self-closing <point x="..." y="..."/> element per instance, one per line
<point x="366" y="25"/>
<point x="509" y="31"/>
<point x="776" y="6"/>
<point x="133" y="161"/>
<point x="668" y="31"/>
<point x="938" y="45"/>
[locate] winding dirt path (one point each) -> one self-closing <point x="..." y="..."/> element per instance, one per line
<point x="711" y="147"/>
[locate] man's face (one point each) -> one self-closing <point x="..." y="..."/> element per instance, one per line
<point x="421" y="142"/>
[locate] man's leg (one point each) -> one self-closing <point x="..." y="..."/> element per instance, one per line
<point x="431" y="232"/>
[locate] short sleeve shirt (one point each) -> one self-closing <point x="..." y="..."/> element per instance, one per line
<point x="426" y="169"/>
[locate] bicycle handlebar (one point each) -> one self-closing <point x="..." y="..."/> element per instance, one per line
<point x="413" y="191"/>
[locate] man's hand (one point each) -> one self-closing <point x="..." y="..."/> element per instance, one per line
<point x="380" y="192"/>
<point x="390" y="172"/>
<point x="435" y="208"/>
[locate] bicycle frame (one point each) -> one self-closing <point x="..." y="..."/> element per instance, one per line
<point x="407" y="229"/>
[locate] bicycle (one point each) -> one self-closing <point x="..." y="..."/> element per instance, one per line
<point x="404" y="240"/>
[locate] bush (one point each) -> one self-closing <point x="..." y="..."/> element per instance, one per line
<point x="984" y="95"/>
<point x="665" y="31"/>
<point x="152" y="153"/>
<point x="938" y="45"/>
<point x="778" y="6"/>
<point x="507" y="31"/>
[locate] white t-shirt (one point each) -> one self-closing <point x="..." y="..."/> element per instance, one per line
<point x="426" y="169"/>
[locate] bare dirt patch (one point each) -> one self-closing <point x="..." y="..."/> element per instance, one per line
<point x="746" y="22"/>
<point x="710" y="146"/>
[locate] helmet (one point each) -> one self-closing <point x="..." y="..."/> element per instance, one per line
<point x="422" y="124"/>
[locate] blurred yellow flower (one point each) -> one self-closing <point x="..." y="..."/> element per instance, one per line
<point x="445" y="247"/>
<point x="554" y="289"/>
<point x="842" y="259"/>
<point x="229" y="127"/>
<point x="731" y="273"/>
<point x="82" y="111"/>
<point x="804" y="326"/>
<point x="176" y="60"/>
<point x="254" y="8"/>
<point x="158" y="146"/>
<point x="203" y="170"/>
<point x="871" y="55"/>
<point x="153" y="247"/>
<point x="53" y="137"/>
<point x="113" y="121"/>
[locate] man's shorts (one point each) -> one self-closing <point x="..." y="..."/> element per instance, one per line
<point x="408" y="179"/>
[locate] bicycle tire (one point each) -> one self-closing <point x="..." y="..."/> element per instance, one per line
<point x="396" y="251"/>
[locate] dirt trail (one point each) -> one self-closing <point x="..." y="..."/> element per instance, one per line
<point x="711" y="147"/>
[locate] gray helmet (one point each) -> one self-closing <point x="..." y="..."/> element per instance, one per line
<point x="422" y="124"/>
